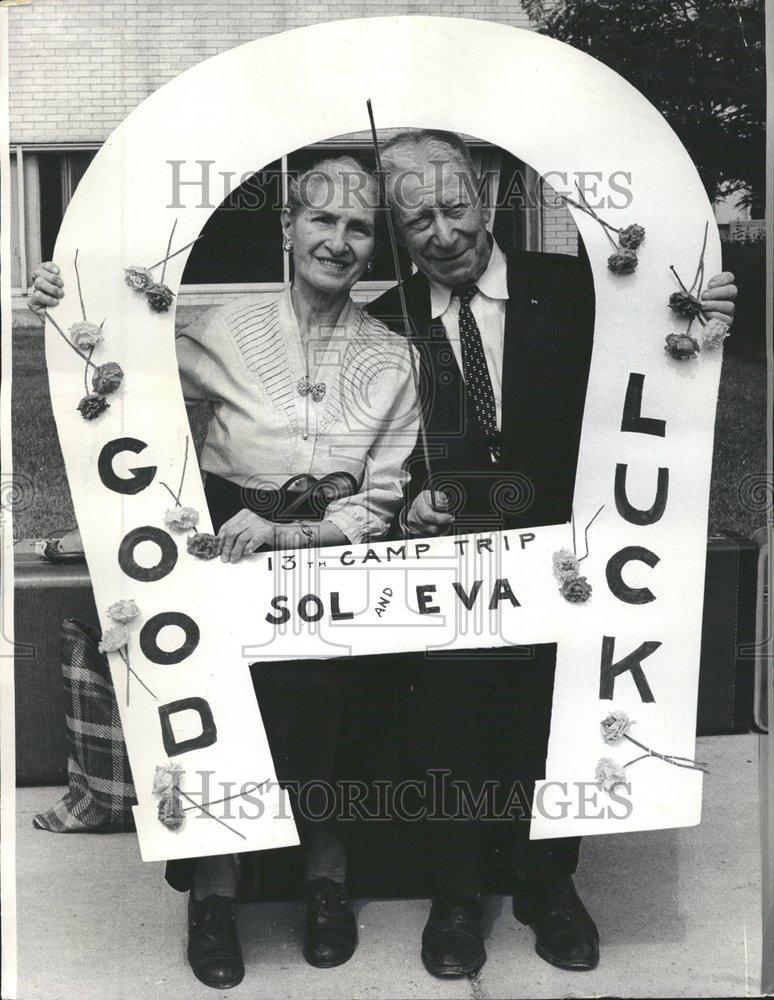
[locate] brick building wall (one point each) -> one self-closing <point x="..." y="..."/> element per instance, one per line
<point x="77" y="68"/>
<point x="88" y="63"/>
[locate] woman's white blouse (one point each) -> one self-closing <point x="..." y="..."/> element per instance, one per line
<point x="246" y="359"/>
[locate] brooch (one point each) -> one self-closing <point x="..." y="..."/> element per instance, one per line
<point x="315" y="389"/>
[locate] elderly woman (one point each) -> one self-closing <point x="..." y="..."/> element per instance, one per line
<point x="300" y="388"/>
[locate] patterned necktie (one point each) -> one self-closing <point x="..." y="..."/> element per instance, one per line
<point x="478" y="384"/>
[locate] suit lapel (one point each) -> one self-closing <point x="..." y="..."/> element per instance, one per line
<point x="523" y="348"/>
<point x="440" y="370"/>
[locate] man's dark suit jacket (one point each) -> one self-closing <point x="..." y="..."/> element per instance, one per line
<point x="549" y="327"/>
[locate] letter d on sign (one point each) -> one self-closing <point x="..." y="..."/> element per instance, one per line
<point x="206" y="737"/>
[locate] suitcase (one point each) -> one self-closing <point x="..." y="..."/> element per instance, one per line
<point x="48" y="592"/>
<point x="45" y="593"/>
<point x="727" y="668"/>
<point x="763" y="630"/>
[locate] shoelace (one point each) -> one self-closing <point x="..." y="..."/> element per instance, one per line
<point x="329" y="901"/>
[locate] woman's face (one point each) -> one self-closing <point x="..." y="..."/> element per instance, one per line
<point x="333" y="234"/>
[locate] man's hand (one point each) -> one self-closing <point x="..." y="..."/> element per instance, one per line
<point x="47" y="288"/>
<point x="242" y="534"/>
<point x="718" y="300"/>
<point x="425" y="519"/>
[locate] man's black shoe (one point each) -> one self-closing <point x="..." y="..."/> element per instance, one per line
<point x="452" y="944"/>
<point x="330" y="930"/>
<point x="213" y="944"/>
<point x="566" y="936"/>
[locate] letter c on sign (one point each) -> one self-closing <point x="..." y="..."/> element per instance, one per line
<point x="630" y="595"/>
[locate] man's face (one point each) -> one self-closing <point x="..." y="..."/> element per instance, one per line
<point x="442" y="222"/>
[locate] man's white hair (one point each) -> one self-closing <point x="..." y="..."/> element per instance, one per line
<point x="400" y="151"/>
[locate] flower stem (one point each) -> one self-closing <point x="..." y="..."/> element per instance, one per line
<point x="211" y="815"/>
<point x="590" y="211"/>
<point x="641" y="757"/>
<point x="185" y="464"/>
<point x="165" y="259"/>
<point x="67" y="340"/>
<point x="700" y="267"/>
<point x="169" y="247"/>
<point x="586" y="532"/>
<point x="692" y="764"/>
<point x="175" y="498"/>
<point x="125" y="657"/>
<point x="78" y="281"/>
<point x="672" y="269"/>
<point x="237" y="795"/>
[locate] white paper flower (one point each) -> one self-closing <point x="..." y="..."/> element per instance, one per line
<point x="181" y="518"/>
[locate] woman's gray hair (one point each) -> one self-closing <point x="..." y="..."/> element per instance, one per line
<point x="326" y="169"/>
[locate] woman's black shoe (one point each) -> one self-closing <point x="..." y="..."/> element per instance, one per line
<point x="213" y="944"/>
<point x="452" y="943"/>
<point x="330" y="930"/>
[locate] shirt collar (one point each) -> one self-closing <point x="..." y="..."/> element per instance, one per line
<point x="347" y="316"/>
<point x="493" y="283"/>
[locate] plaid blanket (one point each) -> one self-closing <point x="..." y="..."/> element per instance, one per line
<point x="101" y="792"/>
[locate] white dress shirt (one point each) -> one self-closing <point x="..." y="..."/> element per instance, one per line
<point x="245" y="361"/>
<point x="488" y="307"/>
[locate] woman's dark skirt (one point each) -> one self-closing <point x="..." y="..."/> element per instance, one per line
<point x="300" y="700"/>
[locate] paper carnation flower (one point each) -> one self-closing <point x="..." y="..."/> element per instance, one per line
<point x="682" y="346"/>
<point x="203" y="545"/>
<point x="684" y="305"/>
<point x="566" y="565"/>
<point x="160" y="297"/>
<point x="92" y="406"/>
<point x="181" y="518"/>
<point x="622" y="261"/>
<point x="123" y="611"/>
<point x="85" y="335"/>
<point x="715" y="332"/>
<point x="631" y="237"/>
<point x="609" y="774"/>
<point x="138" y="278"/>
<point x="113" y="639"/>
<point x="576" y="590"/>
<point x="615" y="726"/>
<point x="107" y="378"/>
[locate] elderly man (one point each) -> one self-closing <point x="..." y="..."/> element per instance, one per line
<point x="505" y="342"/>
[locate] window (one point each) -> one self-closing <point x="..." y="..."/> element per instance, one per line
<point x="241" y="247"/>
<point x="58" y="176"/>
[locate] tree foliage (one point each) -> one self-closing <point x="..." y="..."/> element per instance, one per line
<point x="700" y="62"/>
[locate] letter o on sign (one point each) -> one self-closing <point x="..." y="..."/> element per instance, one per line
<point x="150" y="633"/>
<point x="147" y="574"/>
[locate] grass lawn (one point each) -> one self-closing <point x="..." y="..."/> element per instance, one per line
<point x="740" y="445"/>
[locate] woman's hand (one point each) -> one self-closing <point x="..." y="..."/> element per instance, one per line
<point x="47" y="288"/>
<point x="244" y="533"/>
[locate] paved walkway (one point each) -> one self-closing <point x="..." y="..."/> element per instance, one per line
<point x="678" y="913"/>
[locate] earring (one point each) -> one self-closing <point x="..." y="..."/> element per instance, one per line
<point x="370" y="266"/>
<point x="287" y="244"/>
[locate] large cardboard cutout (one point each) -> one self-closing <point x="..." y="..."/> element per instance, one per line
<point x="634" y="646"/>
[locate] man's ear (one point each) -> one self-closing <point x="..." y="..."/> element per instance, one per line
<point x="486" y="213"/>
